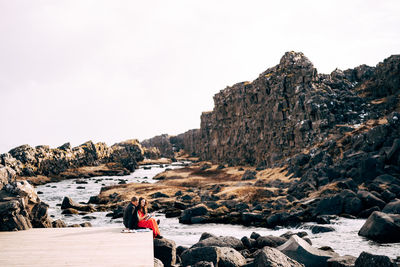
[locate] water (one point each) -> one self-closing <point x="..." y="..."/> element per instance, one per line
<point x="345" y="240"/>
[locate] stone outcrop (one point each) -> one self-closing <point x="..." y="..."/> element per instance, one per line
<point x="20" y="207"/>
<point x="165" y="143"/>
<point x="291" y="107"/>
<point x="43" y="160"/>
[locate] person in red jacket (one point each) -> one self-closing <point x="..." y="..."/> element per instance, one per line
<point x="145" y="220"/>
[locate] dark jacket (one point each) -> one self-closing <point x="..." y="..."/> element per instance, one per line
<point x="131" y="217"/>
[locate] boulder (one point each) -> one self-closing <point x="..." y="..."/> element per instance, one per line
<point x="392" y="207"/>
<point x="344" y="202"/>
<point x="14" y="216"/>
<point x="316" y="229"/>
<point x="300" y="251"/>
<point x="198" y="210"/>
<point x="223" y="241"/>
<point x="367" y="259"/>
<point x="195" y="255"/>
<point x="342" y="261"/>
<point x="69" y="203"/>
<point x="369" y="200"/>
<point x="231" y="258"/>
<point x="271" y="257"/>
<point x="165" y="250"/>
<point x="219" y="256"/>
<point x="40" y="218"/>
<point x="180" y="250"/>
<point x="270" y="241"/>
<point x="249" y="242"/>
<point x="59" y="224"/>
<point x="382" y="227"/>
<point x="206" y="235"/>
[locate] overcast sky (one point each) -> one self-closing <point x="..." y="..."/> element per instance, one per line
<point x="72" y="71"/>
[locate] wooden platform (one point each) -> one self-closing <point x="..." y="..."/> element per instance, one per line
<point x="97" y="246"/>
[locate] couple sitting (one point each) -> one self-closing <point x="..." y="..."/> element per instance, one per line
<point x="136" y="217"/>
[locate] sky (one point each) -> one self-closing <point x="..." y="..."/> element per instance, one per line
<point x="108" y="71"/>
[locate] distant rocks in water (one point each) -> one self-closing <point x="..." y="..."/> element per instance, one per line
<point x="68" y="203"/>
<point x="382" y="227"/>
<point x="316" y="229"/>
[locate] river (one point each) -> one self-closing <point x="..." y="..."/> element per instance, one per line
<point x="344" y="240"/>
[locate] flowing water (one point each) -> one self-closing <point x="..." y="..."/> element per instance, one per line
<point x="344" y="240"/>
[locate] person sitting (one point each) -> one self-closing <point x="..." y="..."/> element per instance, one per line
<point x="145" y="220"/>
<point x="130" y="214"/>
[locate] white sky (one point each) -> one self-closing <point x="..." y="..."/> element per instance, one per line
<point x="115" y="70"/>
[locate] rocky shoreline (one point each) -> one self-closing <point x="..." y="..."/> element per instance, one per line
<point x="289" y="249"/>
<point x="20" y="206"/>
<point x="292" y="146"/>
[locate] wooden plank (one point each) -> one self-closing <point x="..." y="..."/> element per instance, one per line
<point x="97" y="246"/>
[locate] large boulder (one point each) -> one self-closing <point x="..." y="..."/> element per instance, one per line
<point x="270" y="241"/>
<point x="342" y="261"/>
<point x="40" y="218"/>
<point x="196" y="211"/>
<point x="14" y="216"/>
<point x="344" y="202"/>
<point x="382" y="227"/>
<point x="367" y="259"/>
<point x="223" y="241"/>
<point x="370" y="200"/>
<point x="223" y="257"/>
<point x="300" y="251"/>
<point x="271" y="257"/>
<point x="231" y="258"/>
<point x="165" y="250"/>
<point x="392" y="207"/>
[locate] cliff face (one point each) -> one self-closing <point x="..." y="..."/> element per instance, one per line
<point x="290" y="108"/>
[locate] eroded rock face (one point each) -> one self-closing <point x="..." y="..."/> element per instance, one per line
<point x="20" y="207"/>
<point x="290" y="107"/>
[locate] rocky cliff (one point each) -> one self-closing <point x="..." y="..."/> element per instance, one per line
<point x="290" y="108"/>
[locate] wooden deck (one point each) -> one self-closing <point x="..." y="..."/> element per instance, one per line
<point x="97" y="246"/>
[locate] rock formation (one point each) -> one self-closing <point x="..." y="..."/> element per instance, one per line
<point x="289" y="108"/>
<point x="20" y="207"/>
<point x="43" y="160"/>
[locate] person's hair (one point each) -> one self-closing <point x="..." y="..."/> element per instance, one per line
<point x="133" y="199"/>
<point x="142" y="208"/>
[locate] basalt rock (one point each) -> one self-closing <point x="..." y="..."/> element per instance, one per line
<point x="382" y="227"/>
<point x="20" y="207"/>
<point x="290" y="107"/>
